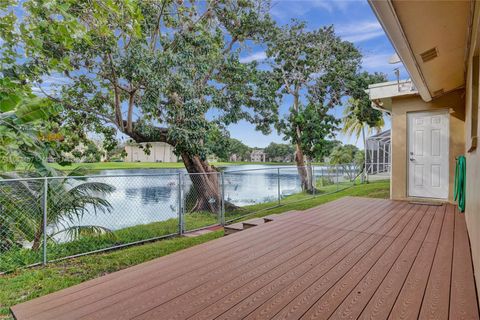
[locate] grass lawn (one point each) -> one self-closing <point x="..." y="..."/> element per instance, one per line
<point x="150" y="165"/>
<point x="26" y="284"/>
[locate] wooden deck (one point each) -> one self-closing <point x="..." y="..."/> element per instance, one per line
<point x="354" y="258"/>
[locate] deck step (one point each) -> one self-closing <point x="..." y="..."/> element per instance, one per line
<point x="233" y="228"/>
<point x="280" y="216"/>
<point x="243" y="225"/>
<point x="270" y="218"/>
<point x="240" y="226"/>
<point x="252" y="223"/>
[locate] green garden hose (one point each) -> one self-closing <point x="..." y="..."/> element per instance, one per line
<point x="460" y="176"/>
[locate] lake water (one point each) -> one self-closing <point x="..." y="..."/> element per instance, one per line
<point x="149" y="195"/>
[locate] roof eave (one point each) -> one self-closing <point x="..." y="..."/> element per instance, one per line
<point x="388" y="19"/>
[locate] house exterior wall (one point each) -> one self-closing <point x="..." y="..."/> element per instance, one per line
<point x="401" y="106"/>
<point x="159" y="152"/>
<point x="258" y="156"/>
<point x="472" y="153"/>
<point x="457" y="66"/>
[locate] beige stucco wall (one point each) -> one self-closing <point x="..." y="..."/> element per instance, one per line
<point x="472" y="211"/>
<point x="159" y="152"/>
<point x="400" y="107"/>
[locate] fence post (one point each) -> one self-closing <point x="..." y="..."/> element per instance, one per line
<point x="278" y="186"/>
<point x="336" y="173"/>
<point x="354" y="172"/>
<point x="322" y="178"/>
<point x="45" y="210"/>
<point x="180" y="206"/>
<point x="314" y="181"/>
<point x="222" y="209"/>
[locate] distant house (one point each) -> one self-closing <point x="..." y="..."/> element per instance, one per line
<point x="258" y="155"/>
<point x="234" y="158"/>
<point x="159" y="152"/>
<point x="285" y="159"/>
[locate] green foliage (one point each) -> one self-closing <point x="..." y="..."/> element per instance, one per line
<point x="359" y="159"/>
<point x="152" y="69"/>
<point x="328" y="148"/>
<point x="217" y="143"/>
<point x="69" y="199"/>
<point x="358" y="113"/>
<point x="279" y="151"/>
<point x="240" y="149"/>
<point x="314" y="68"/>
<point x="343" y="154"/>
<point x="24" y="129"/>
<point x="360" y="106"/>
<point x="98" y="239"/>
<point x="22" y="125"/>
<point x="324" y="181"/>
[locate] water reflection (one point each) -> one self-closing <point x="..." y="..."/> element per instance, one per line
<point x="153" y="196"/>
<point x="148" y="195"/>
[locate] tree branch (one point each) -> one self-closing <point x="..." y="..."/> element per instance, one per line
<point x="225" y="51"/>
<point x="157" y="27"/>
<point x="117" y="107"/>
<point x="131" y="102"/>
<point x="153" y="134"/>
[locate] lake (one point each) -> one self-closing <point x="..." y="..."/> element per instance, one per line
<point x="149" y="195"/>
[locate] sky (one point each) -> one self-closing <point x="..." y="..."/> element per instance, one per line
<point x="353" y="21"/>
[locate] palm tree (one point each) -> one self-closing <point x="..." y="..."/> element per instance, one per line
<point x="356" y="119"/>
<point x="69" y="198"/>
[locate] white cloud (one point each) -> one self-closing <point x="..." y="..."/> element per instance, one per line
<point x="360" y="31"/>
<point x="257" y="56"/>
<point x="377" y="61"/>
<point x="331" y="5"/>
<point x="363" y="37"/>
<point x="283" y="9"/>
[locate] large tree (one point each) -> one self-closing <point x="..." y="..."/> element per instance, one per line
<point x="314" y="68"/>
<point x="237" y="147"/>
<point x="358" y="113"/>
<point x="279" y="151"/>
<point x="157" y="71"/>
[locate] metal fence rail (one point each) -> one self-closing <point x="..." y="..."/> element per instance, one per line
<point x="53" y="218"/>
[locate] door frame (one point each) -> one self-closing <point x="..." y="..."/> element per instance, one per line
<point x="407" y="152"/>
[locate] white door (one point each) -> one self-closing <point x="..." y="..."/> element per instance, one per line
<point x="428" y="170"/>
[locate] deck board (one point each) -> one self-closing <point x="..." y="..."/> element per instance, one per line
<point x="462" y="294"/>
<point x="351" y="258"/>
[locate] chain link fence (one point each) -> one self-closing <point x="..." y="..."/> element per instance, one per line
<point x="202" y="200"/>
<point x="48" y="219"/>
<point x="251" y="191"/>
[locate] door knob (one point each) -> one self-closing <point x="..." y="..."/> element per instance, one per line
<point x="412" y="159"/>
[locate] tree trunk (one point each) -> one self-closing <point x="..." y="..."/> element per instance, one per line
<point x="205" y="178"/>
<point x="206" y="184"/>
<point x="365" y="151"/>
<point x="310" y="177"/>
<point x="302" y="168"/>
